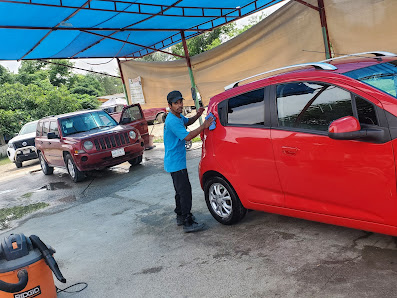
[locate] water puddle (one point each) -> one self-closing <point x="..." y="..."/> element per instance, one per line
<point x="55" y="186"/>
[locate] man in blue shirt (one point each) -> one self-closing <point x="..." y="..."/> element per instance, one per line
<point x="175" y="135"/>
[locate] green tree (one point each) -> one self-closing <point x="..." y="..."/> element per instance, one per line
<point x="86" y="84"/>
<point x="5" y="75"/>
<point x="59" y="71"/>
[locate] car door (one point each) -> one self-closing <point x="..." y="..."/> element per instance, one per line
<point x="132" y="115"/>
<point x="346" y="178"/>
<point x="54" y="152"/>
<point x="244" y="150"/>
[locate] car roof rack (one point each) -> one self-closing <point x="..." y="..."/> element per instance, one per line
<point x="376" y="53"/>
<point x="317" y="65"/>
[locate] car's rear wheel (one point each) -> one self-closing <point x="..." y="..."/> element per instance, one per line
<point x="135" y="161"/>
<point x="223" y="201"/>
<point x="74" y="173"/>
<point x="160" y="118"/>
<point x="47" y="170"/>
<point x="18" y="164"/>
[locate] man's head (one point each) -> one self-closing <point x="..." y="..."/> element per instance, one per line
<point x="175" y="102"/>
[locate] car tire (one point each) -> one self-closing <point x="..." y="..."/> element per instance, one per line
<point x="47" y="170"/>
<point x="18" y="164"/>
<point x="74" y="173"/>
<point x="135" y="161"/>
<point x="160" y="118"/>
<point x="223" y="201"/>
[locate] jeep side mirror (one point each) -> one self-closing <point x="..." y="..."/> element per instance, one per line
<point x="348" y="128"/>
<point x="52" y="135"/>
<point x="125" y="120"/>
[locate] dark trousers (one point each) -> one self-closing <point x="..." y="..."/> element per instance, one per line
<point x="183" y="192"/>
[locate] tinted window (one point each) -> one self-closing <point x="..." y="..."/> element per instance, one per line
<point x="366" y="112"/>
<point x="247" y="108"/>
<point x="54" y="127"/>
<point x="311" y="105"/>
<point x="86" y="122"/>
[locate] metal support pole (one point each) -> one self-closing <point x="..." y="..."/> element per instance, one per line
<point x="324" y="29"/>
<point x="122" y="80"/>
<point x="189" y="66"/>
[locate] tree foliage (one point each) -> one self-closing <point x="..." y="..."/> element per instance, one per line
<point x="40" y="89"/>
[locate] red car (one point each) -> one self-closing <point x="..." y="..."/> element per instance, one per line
<point x="317" y="141"/>
<point x="90" y="140"/>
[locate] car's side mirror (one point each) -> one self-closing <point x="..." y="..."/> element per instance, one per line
<point x="348" y="128"/>
<point x="125" y="120"/>
<point x="52" y="135"/>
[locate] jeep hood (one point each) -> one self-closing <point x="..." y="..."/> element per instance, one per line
<point x="26" y="136"/>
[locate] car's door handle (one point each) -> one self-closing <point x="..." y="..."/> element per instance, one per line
<point x="289" y="150"/>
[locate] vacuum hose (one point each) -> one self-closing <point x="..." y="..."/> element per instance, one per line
<point x="19" y="286"/>
<point x="48" y="258"/>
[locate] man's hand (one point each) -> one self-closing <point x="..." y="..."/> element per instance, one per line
<point x="207" y="123"/>
<point x="200" y="111"/>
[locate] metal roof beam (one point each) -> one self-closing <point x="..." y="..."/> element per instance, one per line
<point x="100" y="29"/>
<point x="195" y="12"/>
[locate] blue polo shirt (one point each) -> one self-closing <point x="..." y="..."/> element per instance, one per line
<point x="174" y="143"/>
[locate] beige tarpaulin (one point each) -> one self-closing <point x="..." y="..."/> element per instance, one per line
<point x="291" y="35"/>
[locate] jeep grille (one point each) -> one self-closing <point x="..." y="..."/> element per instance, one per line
<point x="29" y="142"/>
<point x="108" y="142"/>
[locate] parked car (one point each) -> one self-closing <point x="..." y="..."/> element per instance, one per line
<point x="21" y="147"/>
<point x="316" y="142"/>
<point x="90" y="140"/>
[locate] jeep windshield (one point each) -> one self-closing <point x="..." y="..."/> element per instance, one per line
<point x="86" y="122"/>
<point x="382" y="76"/>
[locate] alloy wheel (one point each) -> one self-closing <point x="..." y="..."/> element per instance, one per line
<point x="71" y="168"/>
<point x="220" y="200"/>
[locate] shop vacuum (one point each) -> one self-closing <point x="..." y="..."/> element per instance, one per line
<point x="25" y="268"/>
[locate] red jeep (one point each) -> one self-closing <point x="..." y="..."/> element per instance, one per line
<point x="90" y="140"/>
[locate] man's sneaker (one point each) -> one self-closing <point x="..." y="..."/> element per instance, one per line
<point x="190" y="226"/>
<point x="179" y="219"/>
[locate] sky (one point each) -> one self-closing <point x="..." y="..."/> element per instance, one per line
<point x="109" y="65"/>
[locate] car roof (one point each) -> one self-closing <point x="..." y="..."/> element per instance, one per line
<point x="70" y="114"/>
<point x="332" y="67"/>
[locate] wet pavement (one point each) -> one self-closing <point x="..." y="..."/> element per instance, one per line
<point x="116" y="231"/>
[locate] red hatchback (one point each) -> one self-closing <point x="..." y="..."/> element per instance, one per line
<point x="317" y="142"/>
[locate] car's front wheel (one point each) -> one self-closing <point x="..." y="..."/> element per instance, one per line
<point x="74" y="173"/>
<point x="18" y="164"/>
<point x="47" y="170"/>
<point x="135" y="161"/>
<point x="223" y="201"/>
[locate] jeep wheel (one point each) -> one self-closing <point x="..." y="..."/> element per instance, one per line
<point x="47" y="170"/>
<point x="135" y="161"/>
<point x="223" y="202"/>
<point x="74" y="173"/>
<point x="18" y="164"/>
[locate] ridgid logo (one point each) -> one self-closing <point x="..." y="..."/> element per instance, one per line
<point x="30" y="293"/>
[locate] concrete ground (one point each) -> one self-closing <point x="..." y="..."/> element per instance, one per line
<point x="124" y="242"/>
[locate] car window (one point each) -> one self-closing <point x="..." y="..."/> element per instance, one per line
<point x="86" y="122"/>
<point x="39" y="129"/>
<point x="131" y="114"/>
<point x="46" y="128"/>
<point x="366" y="112"/>
<point x="28" y="128"/>
<point x="247" y="109"/>
<point x="311" y="106"/>
<point x="54" y="127"/>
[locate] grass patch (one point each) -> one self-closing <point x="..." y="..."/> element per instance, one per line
<point x="27" y="195"/>
<point x="196" y="139"/>
<point x="7" y="214"/>
<point x="161" y="140"/>
<point x="4" y="160"/>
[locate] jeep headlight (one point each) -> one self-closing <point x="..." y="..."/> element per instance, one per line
<point x="88" y="145"/>
<point x="11" y="145"/>
<point x="132" y="134"/>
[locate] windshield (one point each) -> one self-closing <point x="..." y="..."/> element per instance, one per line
<point x="381" y="76"/>
<point x="85" y="122"/>
<point x="28" y="128"/>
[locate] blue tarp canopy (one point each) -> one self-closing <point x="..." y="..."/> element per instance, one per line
<point x="52" y="29"/>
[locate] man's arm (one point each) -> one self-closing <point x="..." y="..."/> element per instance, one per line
<point x="194" y="133"/>
<point x="193" y="119"/>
